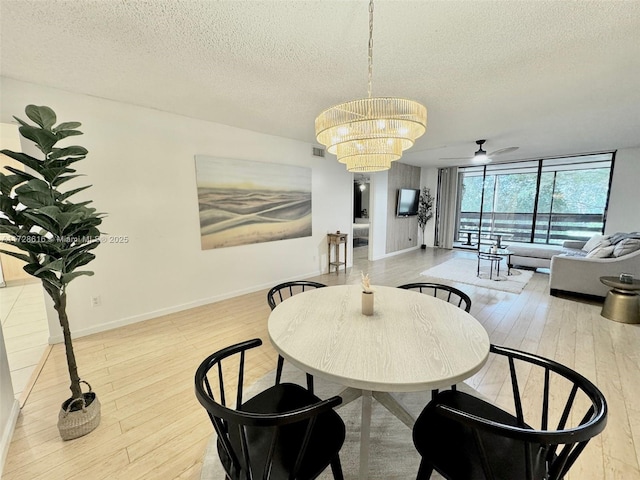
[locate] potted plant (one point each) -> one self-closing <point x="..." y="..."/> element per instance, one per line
<point x="425" y="211"/>
<point x="54" y="236"/>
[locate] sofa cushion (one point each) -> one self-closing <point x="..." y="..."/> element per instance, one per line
<point x="601" y="252"/>
<point x="596" y="241"/>
<point x="574" y="252"/>
<point x="626" y="246"/>
<point x="535" y="250"/>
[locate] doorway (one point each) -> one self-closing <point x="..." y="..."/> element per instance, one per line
<point x="361" y="197"/>
<point x="26" y="332"/>
<point x="23" y="314"/>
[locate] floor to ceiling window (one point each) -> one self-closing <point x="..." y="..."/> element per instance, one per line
<point x="540" y="201"/>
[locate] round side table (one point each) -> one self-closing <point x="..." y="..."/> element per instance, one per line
<point x="621" y="303"/>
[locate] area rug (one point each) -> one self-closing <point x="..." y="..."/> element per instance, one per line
<point x="392" y="455"/>
<point x="464" y="270"/>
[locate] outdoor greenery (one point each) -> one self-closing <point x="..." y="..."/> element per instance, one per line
<point x="55" y="236"/>
<point x="571" y="201"/>
<point x="575" y="191"/>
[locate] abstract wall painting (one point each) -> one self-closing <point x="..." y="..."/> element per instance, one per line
<point x="243" y="202"/>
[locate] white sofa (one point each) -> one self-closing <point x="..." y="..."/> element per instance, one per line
<point x="574" y="272"/>
<point x="533" y="255"/>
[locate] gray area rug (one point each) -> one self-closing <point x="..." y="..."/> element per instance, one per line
<point x="392" y="455"/>
<point x="464" y="270"/>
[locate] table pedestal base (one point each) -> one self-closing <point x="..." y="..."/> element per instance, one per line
<point x="388" y="401"/>
<point x="621" y="306"/>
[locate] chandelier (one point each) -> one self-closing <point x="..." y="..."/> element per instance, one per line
<point x="370" y="133"/>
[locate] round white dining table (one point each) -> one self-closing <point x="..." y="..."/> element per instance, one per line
<point x="412" y="342"/>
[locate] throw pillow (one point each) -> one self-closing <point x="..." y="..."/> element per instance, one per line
<point x="601" y="252"/>
<point x="595" y="241"/>
<point x="617" y="237"/>
<point x="626" y="246"/>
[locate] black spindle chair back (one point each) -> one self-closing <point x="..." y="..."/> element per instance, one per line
<point x="445" y="292"/>
<point x="278" y="294"/>
<point x="255" y="442"/>
<point x="488" y="442"/>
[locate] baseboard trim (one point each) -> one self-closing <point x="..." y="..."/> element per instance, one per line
<point x="103" y="327"/>
<point x="7" y="433"/>
<point x="34" y="376"/>
<point x="393" y="254"/>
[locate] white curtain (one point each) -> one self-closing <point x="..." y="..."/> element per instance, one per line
<point x="446" y="206"/>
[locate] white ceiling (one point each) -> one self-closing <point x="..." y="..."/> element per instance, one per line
<point x="550" y="77"/>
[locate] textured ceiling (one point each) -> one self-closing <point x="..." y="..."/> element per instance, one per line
<point x="550" y="77"/>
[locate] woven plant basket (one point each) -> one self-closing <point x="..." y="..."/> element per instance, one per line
<point x="74" y="424"/>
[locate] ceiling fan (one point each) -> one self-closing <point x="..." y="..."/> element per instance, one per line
<point x="481" y="156"/>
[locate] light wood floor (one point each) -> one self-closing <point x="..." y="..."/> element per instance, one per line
<point x="153" y="428"/>
<point x="25" y="330"/>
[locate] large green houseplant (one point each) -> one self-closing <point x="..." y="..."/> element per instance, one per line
<point x="53" y="235"/>
<point x="425" y="211"/>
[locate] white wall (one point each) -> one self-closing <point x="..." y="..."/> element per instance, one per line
<point x="9" y="407"/>
<point x="141" y="166"/>
<point x="378" y="215"/>
<point x="624" y="201"/>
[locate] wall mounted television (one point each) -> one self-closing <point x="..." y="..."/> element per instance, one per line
<point x="408" y="199"/>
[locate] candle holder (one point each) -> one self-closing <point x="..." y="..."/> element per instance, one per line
<point x="367" y="303"/>
<point x="626" y="278"/>
<point x="367" y="296"/>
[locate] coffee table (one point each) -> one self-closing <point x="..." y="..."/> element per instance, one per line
<point x="485" y="253"/>
<point x="621" y="303"/>
<point x="413" y="342"/>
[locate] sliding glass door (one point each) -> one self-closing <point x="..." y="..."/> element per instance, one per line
<point x="573" y="199"/>
<point x="541" y="201"/>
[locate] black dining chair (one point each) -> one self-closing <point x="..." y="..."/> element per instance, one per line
<point x="463" y="437"/>
<point x="280" y="293"/>
<point x="283" y="432"/>
<point x="445" y="292"/>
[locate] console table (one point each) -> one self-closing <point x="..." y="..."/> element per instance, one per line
<point x="334" y="240"/>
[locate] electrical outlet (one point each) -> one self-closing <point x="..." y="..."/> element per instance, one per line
<point x="96" y="301"/>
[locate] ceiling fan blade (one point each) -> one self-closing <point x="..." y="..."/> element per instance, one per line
<point x="489" y="155"/>
<point x="502" y="151"/>
<point x="435" y="148"/>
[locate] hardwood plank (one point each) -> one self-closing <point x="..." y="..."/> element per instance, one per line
<point x="153" y="427"/>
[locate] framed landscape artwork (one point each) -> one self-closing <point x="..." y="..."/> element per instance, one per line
<point x="243" y="202"/>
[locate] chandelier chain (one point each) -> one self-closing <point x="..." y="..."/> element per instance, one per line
<point x="370" y="45"/>
<point x="368" y="134"/>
